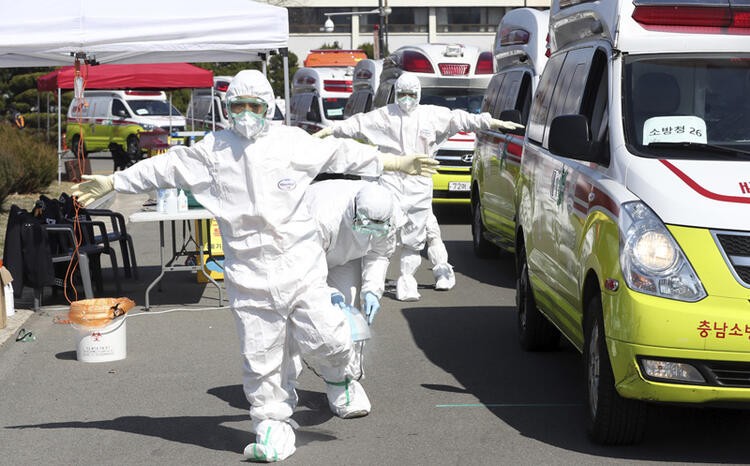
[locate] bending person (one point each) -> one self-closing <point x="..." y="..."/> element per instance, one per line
<point x="402" y="128"/>
<point x="252" y="178"/>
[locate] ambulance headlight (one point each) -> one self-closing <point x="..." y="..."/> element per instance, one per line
<point x="652" y="261"/>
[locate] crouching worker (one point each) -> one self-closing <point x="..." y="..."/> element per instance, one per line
<point x="358" y="221"/>
<point x="252" y="178"/>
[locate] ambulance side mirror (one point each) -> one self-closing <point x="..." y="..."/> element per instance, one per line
<point x="570" y="136"/>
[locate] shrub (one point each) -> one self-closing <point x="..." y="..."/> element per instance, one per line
<point x="31" y="163"/>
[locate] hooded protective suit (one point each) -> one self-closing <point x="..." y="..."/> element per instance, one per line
<point x="275" y="268"/>
<point x="357" y="262"/>
<point x="419" y="129"/>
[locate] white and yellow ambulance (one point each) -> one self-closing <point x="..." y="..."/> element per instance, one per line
<point x="453" y="76"/>
<point x="633" y="235"/>
<point x="520" y="55"/>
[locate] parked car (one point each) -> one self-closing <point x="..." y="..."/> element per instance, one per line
<point x="106" y="117"/>
<point x="633" y="239"/>
<point x="520" y="55"/>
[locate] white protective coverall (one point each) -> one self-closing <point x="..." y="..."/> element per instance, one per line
<point x="357" y="262"/>
<point x="275" y="267"/>
<point x="419" y="129"/>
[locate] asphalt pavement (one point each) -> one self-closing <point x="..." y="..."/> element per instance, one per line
<point x="447" y="379"/>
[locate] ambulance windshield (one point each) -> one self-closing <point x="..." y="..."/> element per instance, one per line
<point x="697" y="101"/>
<point x="469" y="100"/>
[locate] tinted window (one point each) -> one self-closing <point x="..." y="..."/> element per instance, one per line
<point x="469" y="100"/>
<point x="508" y="92"/>
<point x="490" y="96"/>
<point x="118" y="109"/>
<point x="334" y="107"/>
<point x="540" y="108"/>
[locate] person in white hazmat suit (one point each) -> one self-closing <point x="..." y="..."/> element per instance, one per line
<point x="402" y="128"/>
<point x="357" y="221"/>
<point x="252" y="178"/>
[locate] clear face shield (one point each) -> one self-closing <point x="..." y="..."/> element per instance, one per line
<point x="368" y="226"/>
<point x="248" y="114"/>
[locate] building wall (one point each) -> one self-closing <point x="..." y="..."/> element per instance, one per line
<point x="474" y="22"/>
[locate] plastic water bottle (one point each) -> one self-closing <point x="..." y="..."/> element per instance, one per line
<point x="161" y="200"/>
<point x="182" y="202"/>
<point x="357" y="323"/>
<point x="171" y="201"/>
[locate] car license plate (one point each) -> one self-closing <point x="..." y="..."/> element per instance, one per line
<point x="458" y="186"/>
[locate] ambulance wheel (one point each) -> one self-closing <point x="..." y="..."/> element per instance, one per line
<point x="535" y="332"/>
<point x="612" y="419"/>
<point x="78" y="147"/>
<point x="133" y="147"/>
<point x="482" y="247"/>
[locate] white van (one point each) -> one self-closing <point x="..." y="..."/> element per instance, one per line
<point x="364" y="85"/>
<point x="520" y="54"/>
<point x="319" y="96"/>
<point x="633" y="237"/>
<point x="453" y="76"/>
<point x="118" y="117"/>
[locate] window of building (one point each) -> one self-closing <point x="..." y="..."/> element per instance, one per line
<point x="307" y="20"/>
<point x="400" y="20"/>
<point x="472" y="19"/>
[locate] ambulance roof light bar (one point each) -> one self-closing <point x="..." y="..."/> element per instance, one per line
<point x="416" y="62"/>
<point x="485" y="64"/>
<point x="654" y="14"/>
<point x="516" y="36"/>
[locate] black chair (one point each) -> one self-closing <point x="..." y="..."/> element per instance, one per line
<point x="85" y="231"/>
<point x="117" y="234"/>
<point x="39" y="254"/>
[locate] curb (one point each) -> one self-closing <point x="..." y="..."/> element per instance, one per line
<point x="14" y="323"/>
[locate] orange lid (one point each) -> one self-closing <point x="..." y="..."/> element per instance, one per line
<point x="333" y="57"/>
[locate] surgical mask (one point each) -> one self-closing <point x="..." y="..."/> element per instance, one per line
<point x="248" y="114"/>
<point x="407" y="102"/>
<point x="248" y="124"/>
<point x="368" y="226"/>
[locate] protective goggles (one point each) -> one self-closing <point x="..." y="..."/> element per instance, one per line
<point x="402" y="94"/>
<point x="239" y="105"/>
<point x="366" y="225"/>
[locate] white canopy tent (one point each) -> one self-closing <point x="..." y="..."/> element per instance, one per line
<point x="53" y="33"/>
<point x="139" y="31"/>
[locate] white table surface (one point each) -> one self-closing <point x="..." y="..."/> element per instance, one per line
<point x="154" y="216"/>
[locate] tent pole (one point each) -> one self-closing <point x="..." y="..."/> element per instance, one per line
<point x="287" y="103"/>
<point x="59" y="136"/>
<point x="47" y="114"/>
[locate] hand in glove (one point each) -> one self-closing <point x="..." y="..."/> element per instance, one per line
<point x="94" y="187"/>
<point x="372" y="306"/>
<point x="338" y="300"/>
<point x="325" y="132"/>
<point x="416" y="164"/>
<point x="505" y="125"/>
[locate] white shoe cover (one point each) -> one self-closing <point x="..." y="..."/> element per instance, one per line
<point x="406" y="288"/>
<point x="274" y="442"/>
<point x="445" y="279"/>
<point x="348" y="401"/>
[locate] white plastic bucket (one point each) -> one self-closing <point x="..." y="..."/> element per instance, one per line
<point x="102" y="344"/>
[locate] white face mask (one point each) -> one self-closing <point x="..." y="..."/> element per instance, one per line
<point x="248" y="124"/>
<point x="407" y="103"/>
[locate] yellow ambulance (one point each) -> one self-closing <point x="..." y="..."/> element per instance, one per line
<point x="633" y="231"/>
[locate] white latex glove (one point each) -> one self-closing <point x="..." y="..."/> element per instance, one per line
<point x="504" y="125"/>
<point x="325" y="132"/>
<point x="93" y="188"/>
<point x="415" y="164"/>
